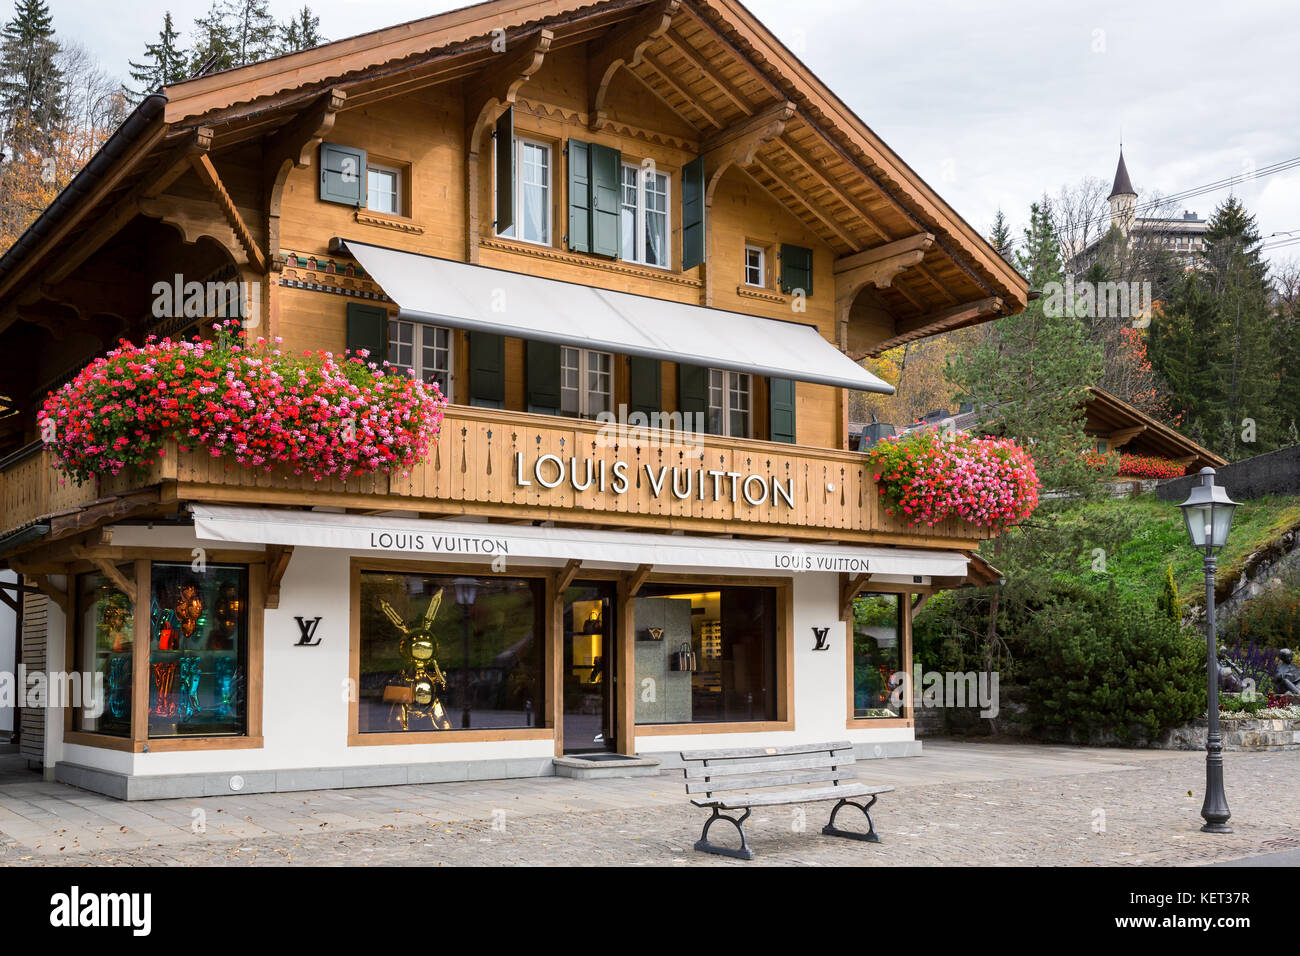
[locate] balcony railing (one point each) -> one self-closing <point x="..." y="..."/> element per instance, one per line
<point x="511" y="465"/>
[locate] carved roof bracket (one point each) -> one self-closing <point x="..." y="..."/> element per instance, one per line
<point x="625" y="46"/>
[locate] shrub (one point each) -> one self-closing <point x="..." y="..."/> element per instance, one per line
<point x="1271" y="619"/>
<point x="316" y="414"/>
<point x="1093" y="666"/>
<point x="1167" y="600"/>
<point x="928" y="477"/>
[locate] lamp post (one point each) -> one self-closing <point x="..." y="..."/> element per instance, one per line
<point x="1208" y="513"/>
<point x="466" y="592"/>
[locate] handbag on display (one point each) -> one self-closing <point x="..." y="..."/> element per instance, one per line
<point x="683" y="658"/>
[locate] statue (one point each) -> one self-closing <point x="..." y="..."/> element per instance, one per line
<point x="1231" y="678"/>
<point x="1286" y="679"/>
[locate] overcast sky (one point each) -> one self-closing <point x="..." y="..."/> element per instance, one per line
<point x="993" y="102"/>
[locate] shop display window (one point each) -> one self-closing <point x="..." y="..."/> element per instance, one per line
<point x="198" y="650"/>
<point x="103" y="653"/>
<point x="705" y="654"/>
<point x="443" y="653"/>
<point x="877" y="655"/>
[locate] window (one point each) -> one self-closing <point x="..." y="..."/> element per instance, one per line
<point x="878" y="656"/>
<point x="384" y="189"/>
<point x="532" y="193"/>
<point x="103" y="655"/>
<point x="730" y="403"/>
<point x="586" y="382"/>
<point x="644" y="216"/>
<point x="423" y="350"/>
<point x="705" y="655"/>
<point x="449" y="653"/>
<point x="756" y="266"/>
<point x="198" y="650"/>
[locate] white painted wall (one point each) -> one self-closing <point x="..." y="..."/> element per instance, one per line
<point x="8" y="651"/>
<point x="305" y="709"/>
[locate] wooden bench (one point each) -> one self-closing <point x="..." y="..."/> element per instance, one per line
<point x="758" y="770"/>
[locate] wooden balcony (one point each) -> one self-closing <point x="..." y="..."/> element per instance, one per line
<point x="501" y="464"/>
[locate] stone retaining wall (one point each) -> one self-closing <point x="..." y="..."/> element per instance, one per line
<point x="1251" y="733"/>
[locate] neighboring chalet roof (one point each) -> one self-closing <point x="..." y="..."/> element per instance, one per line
<point x="1122" y="185"/>
<point x="1116" y="417"/>
<point x="715" y="66"/>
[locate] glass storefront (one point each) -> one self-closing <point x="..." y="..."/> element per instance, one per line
<point x="440" y="652"/>
<point x="705" y="654"/>
<point x="198" y="650"/>
<point x="877" y="655"/>
<point x="103" y="654"/>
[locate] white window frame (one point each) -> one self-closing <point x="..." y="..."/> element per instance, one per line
<point x="515" y="232"/>
<point x="586" y="407"/>
<point x="722" y="384"/>
<point x="762" y="266"/>
<point x="638" y="254"/>
<point x="396" y="173"/>
<point x="424" y="336"/>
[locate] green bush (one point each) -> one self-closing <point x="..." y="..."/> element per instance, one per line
<point x="1270" y="620"/>
<point x="1094" y="666"/>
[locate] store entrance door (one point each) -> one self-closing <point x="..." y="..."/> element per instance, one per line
<point x="588" y="678"/>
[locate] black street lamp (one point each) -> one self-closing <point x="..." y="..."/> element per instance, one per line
<point x="466" y="592"/>
<point x="1208" y="513"/>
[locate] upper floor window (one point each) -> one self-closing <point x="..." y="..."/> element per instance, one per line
<point x="532" y="193"/>
<point x="586" y="382"/>
<point x="731" y="403"/>
<point x="756" y="266"/>
<point x="423" y="350"/>
<point x="384" y="189"/>
<point x="644" y="216"/>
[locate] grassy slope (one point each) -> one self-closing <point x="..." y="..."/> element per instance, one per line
<point x="1160" y="539"/>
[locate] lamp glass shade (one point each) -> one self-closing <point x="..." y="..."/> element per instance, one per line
<point x="1208" y="513"/>
<point x="466" y="591"/>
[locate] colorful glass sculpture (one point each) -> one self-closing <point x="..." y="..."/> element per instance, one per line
<point x="189" y="609"/>
<point x="119" y="686"/>
<point x="164" y="689"/>
<point x="187" y="692"/>
<point x="226" y="686"/>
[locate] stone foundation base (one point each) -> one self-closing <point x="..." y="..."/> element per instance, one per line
<point x="1246" y="734"/>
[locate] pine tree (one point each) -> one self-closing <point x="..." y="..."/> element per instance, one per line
<point x="214" y="41"/>
<point x="1000" y="235"/>
<point x="300" y="33"/>
<point x="1216" y="344"/>
<point x="253" y="31"/>
<point x="164" y="63"/>
<point x="1031" y="371"/>
<point x="31" y="83"/>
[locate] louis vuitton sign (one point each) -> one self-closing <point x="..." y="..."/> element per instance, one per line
<point x="702" y="484"/>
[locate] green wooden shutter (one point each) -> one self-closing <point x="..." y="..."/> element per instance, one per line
<point x="343" y="175"/>
<point x="645" y="386"/>
<point x="579" y="196"/>
<point x="542" y="377"/>
<point x="693" y="393"/>
<point x="606" y="200"/>
<point x="781" y="405"/>
<point x="368" y="329"/>
<point x="504" y="137"/>
<point x="693" y="214"/>
<point x="487" y="370"/>
<point x="796" y="269"/>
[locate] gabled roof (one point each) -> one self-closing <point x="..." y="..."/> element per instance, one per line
<point x="716" y="67"/>
<point x="1122" y="185"/>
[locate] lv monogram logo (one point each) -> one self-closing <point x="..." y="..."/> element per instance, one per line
<point x="820" y="634"/>
<point x="306" y="631"/>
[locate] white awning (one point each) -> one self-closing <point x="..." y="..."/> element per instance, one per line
<point x="485" y="541"/>
<point x="480" y="299"/>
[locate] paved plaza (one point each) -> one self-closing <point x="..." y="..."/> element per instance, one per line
<point x="959" y="804"/>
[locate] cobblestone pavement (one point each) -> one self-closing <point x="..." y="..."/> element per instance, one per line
<point x="961" y="804"/>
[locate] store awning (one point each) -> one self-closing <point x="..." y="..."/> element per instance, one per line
<point x="480" y="299"/>
<point x="486" y="541"/>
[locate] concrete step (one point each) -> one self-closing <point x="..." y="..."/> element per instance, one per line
<point x="605" y="766"/>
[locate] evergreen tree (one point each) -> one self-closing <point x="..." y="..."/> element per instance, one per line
<point x="1030" y="373"/>
<point x="164" y="63"/>
<point x="214" y="40"/>
<point x="1000" y="235"/>
<point x="253" y="31"/>
<point x="31" y="83"/>
<point x="300" y="33"/>
<point x="1217" y="344"/>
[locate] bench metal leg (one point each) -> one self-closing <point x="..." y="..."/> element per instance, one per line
<point x="870" y="836"/>
<point x="704" y="846"/>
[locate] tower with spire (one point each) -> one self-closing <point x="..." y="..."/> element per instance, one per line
<point x="1123" y="198"/>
